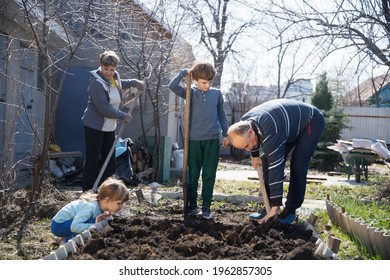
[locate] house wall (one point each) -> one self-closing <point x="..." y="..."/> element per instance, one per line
<point x="69" y="133"/>
<point x="73" y="101"/>
<point x="22" y="66"/>
<point x="22" y="105"/>
<point x="301" y="90"/>
<point x="367" y="122"/>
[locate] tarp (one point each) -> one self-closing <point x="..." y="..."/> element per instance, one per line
<point x="124" y="162"/>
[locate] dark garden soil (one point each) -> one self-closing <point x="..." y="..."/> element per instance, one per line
<point x="162" y="233"/>
<point x="150" y="231"/>
<point x="153" y="231"/>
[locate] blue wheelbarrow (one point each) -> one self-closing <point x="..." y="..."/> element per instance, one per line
<point x="357" y="161"/>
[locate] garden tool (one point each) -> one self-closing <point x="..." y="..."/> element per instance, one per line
<point x="151" y="197"/>
<point x="131" y="104"/>
<point x="263" y="189"/>
<point x="186" y="137"/>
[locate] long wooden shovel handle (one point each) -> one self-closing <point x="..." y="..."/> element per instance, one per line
<point x="263" y="189"/>
<point x="95" y="185"/>
<point x="186" y="140"/>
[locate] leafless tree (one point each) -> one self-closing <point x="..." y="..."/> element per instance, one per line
<point x="358" y="26"/>
<point x="139" y="35"/>
<point x="149" y="52"/>
<point x="291" y="62"/>
<point x="219" y="28"/>
<point x="47" y="23"/>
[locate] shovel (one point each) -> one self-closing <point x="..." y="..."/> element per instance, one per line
<point x="186" y="139"/>
<point x="148" y="197"/>
<point x="263" y="189"/>
<point x="132" y="103"/>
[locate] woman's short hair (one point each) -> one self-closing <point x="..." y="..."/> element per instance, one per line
<point x="109" y="58"/>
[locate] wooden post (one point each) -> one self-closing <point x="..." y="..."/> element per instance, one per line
<point x="186" y="141"/>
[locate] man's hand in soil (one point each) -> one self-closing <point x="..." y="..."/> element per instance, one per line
<point x="272" y="214"/>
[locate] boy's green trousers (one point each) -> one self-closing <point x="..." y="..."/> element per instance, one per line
<point x="203" y="155"/>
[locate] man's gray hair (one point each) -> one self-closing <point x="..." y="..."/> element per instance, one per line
<point x="240" y="128"/>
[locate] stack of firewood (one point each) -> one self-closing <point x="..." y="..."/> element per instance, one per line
<point x="142" y="160"/>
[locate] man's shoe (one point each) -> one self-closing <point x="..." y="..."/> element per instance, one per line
<point x="206" y="213"/>
<point x="192" y="210"/>
<point x="286" y="216"/>
<point x="258" y="216"/>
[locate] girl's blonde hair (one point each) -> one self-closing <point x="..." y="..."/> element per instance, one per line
<point x="112" y="188"/>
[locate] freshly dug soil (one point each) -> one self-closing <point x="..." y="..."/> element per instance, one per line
<point x="162" y="233"/>
<point x="153" y="231"/>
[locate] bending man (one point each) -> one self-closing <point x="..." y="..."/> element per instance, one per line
<point x="276" y="128"/>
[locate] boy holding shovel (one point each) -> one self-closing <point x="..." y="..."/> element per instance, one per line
<point x="278" y="127"/>
<point x="207" y="119"/>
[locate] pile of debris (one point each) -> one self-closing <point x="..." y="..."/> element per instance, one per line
<point x="378" y="147"/>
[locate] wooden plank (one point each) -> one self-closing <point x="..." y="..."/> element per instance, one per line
<point x="65" y="154"/>
<point x="313" y="179"/>
<point x="308" y="181"/>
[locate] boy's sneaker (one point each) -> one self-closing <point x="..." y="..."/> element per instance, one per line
<point x="206" y="213"/>
<point x="258" y="216"/>
<point x="286" y="216"/>
<point x="192" y="210"/>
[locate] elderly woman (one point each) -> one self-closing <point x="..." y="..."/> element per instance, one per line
<point x="101" y="115"/>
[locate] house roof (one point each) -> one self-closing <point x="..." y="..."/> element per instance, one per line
<point x="14" y="11"/>
<point x="366" y="90"/>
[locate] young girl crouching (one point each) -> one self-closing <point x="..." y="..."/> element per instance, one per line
<point x="79" y="215"/>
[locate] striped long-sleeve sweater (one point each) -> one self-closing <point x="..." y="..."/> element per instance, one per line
<point x="278" y="122"/>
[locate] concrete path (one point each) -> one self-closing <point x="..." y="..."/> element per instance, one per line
<point x="308" y="206"/>
<point x="251" y="175"/>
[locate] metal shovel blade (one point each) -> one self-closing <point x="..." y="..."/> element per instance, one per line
<point x="140" y="195"/>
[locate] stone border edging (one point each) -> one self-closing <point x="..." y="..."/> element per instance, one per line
<point x="62" y="252"/>
<point x="322" y="247"/>
<point x="376" y="241"/>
